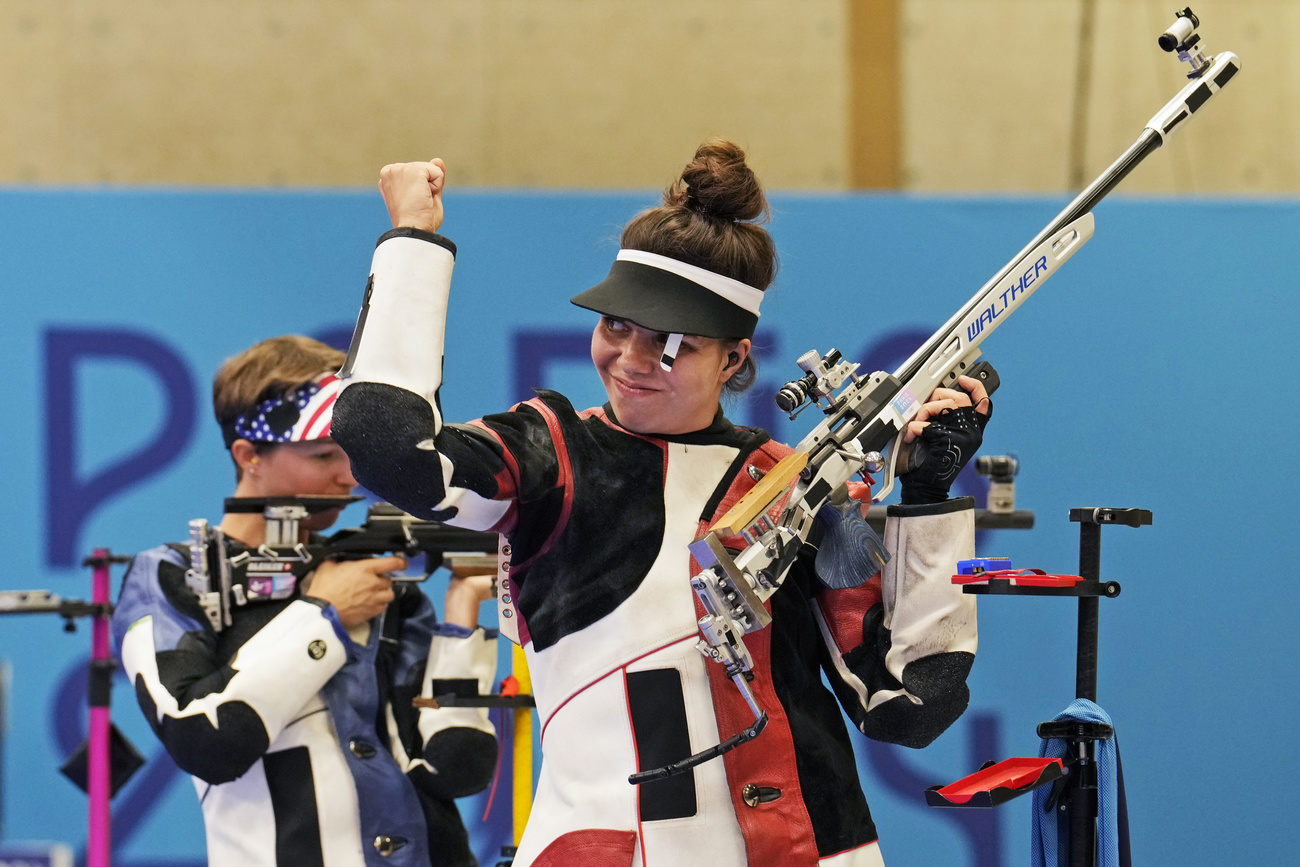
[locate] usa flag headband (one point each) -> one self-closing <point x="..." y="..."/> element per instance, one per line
<point x="302" y="415"/>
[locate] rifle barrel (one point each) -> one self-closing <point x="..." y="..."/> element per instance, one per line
<point x="1146" y="143"/>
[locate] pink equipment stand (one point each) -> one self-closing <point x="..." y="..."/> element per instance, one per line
<point x="99" y="839"/>
<point x="107" y="760"/>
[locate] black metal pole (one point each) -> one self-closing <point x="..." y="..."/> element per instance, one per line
<point x="1085" y="675"/>
<point x="1082" y="813"/>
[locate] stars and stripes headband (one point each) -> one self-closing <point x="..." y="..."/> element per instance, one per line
<point x="304" y="414"/>
<point x="665" y="294"/>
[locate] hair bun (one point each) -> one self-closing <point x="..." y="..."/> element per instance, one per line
<point x="718" y="183"/>
<point x="710" y="218"/>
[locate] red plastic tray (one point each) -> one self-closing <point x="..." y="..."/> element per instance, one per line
<point x="1020" y="577"/>
<point x="1007" y="774"/>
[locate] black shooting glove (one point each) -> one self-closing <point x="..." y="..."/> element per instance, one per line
<point x="945" y="446"/>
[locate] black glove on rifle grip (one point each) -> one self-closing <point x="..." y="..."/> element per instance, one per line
<point x="945" y="446"/>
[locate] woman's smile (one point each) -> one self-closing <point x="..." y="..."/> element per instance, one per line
<point x="648" y="399"/>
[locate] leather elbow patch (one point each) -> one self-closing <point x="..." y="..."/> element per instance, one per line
<point x="940" y="682"/>
<point x="214" y="755"/>
<point x="463" y="760"/>
<point x="380" y="427"/>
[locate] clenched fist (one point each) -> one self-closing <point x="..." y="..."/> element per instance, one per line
<point x="413" y="193"/>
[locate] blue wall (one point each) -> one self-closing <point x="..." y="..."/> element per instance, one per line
<point x="1151" y="372"/>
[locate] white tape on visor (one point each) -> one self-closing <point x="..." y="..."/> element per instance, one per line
<point x="671" y="348"/>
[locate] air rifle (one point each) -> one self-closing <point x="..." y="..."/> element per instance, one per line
<point x="224" y="574"/>
<point x="865" y="414"/>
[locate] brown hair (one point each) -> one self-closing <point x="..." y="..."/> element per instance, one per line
<point x="710" y="218"/>
<point x="266" y="370"/>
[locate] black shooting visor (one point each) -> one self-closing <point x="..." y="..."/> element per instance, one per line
<point x="662" y="301"/>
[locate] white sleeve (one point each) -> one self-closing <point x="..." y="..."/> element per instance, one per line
<point x="925" y="613"/>
<point x="452" y="658"/>
<point x="400" y="331"/>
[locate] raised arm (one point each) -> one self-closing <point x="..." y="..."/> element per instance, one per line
<point x="388" y="417"/>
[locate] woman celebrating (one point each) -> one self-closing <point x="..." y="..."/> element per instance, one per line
<point x="598" y="508"/>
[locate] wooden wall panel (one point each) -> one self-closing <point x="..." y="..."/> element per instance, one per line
<point x="321" y="92"/>
<point x="988" y="88"/>
<point x="875" y="147"/>
<point x="605" y="94"/>
<point x="986" y="93"/>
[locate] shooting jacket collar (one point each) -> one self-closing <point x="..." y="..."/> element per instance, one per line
<point x="720" y="431"/>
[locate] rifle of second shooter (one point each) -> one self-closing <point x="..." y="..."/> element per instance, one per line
<point x="225" y="574"/>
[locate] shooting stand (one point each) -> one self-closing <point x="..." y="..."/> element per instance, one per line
<point x="1076" y="777"/>
<point x="107" y="760"/>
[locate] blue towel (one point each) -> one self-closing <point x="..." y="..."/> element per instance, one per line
<point x="1112" y="819"/>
